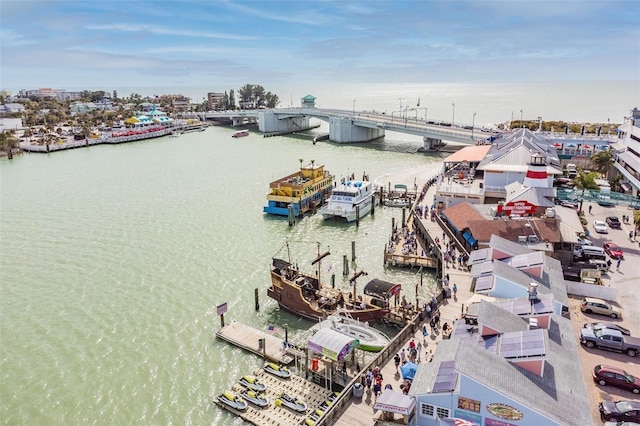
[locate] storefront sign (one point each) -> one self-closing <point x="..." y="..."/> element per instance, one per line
<point x="504" y="411"/>
<point x="517" y="208"/>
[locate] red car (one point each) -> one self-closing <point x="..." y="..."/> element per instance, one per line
<point x="607" y="375"/>
<point x="613" y="250"/>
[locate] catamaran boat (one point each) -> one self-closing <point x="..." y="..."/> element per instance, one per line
<point x="349" y="199"/>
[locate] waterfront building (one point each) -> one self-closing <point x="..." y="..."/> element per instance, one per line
<point x="214" y="99"/>
<point x="627" y="155"/>
<point x="45" y="92"/>
<point x="308" y="102"/>
<point x="10" y="108"/>
<point x="517" y="365"/>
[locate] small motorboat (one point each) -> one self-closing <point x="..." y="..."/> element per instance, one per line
<point x="255" y="398"/>
<point x="233" y="401"/>
<point x="290" y="402"/>
<point x="277" y="370"/>
<point x="251" y="382"/>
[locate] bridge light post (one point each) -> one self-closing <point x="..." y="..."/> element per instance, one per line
<point x="521" y="125"/>
<point x="354" y="107"/>
<point x="608" y="127"/>
<point x="453" y="117"/>
<point x="473" y="123"/>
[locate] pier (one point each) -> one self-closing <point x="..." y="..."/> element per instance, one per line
<point x="248" y="338"/>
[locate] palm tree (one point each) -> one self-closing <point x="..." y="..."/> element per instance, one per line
<point x="585" y="181"/>
<point x="602" y="161"/>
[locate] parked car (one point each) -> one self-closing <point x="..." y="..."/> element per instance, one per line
<point x="606" y="375"/>
<point x="600" y="227"/>
<point x="613" y="250"/>
<point x="612" y="340"/>
<point x="620" y="410"/>
<point x="584" y="242"/>
<point x="591" y="305"/>
<point x="605" y="201"/>
<point x="613" y="222"/>
<point x="609" y="325"/>
<point x="620" y="424"/>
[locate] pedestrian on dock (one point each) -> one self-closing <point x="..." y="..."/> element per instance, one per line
<point x="369" y="379"/>
<point x="427" y="310"/>
<point x="424" y="334"/>
<point x="418" y="351"/>
<point x="403" y="355"/>
<point x="396" y="361"/>
<point x="455" y="289"/>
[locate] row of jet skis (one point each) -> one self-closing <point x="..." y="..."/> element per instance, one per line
<point x="254" y="389"/>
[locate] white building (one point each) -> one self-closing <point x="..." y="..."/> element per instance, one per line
<point x="627" y="157"/>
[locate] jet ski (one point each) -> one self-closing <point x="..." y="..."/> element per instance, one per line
<point x="313" y="417"/>
<point x="233" y="401"/>
<point x="251" y="382"/>
<point x="330" y="399"/>
<point x="291" y="403"/>
<point x="255" y="398"/>
<point x="277" y="370"/>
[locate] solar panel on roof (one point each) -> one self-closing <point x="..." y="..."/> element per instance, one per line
<point x="484" y="283"/>
<point x="446" y="377"/>
<point x="522" y="344"/>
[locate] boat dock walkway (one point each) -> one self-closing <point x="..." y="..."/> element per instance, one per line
<point x="312" y="394"/>
<point x="248" y="338"/>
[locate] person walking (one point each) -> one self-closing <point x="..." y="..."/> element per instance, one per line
<point x="455" y="290"/>
<point x="396" y="361"/>
<point x="590" y="208"/>
<point x="424" y="334"/>
<point x="618" y="266"/>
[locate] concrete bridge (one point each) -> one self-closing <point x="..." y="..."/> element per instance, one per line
<point x="349" y="126"/>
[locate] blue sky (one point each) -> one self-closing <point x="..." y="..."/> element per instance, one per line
<point x="219" y="44"/>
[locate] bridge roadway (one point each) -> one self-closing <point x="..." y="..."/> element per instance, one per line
<point x="433" y="130"/>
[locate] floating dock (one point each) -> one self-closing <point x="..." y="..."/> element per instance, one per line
<point x="312" y="394"/>
<point x="248" y="338"/>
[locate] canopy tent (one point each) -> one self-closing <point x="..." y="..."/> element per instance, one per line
<point x="332" y="344"/>
<point x="381" y="289"/>
<point x="395" y="402"/>
<point x="409" y="370"/>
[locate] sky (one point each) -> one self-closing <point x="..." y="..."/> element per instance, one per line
<point x="98" y="44"/>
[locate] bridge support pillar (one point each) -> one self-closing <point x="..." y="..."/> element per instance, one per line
<point x="237" y="121"/>
<point x="342" y="130"/>
<point x="270" y="122"/>
<point x="430" y="143"/>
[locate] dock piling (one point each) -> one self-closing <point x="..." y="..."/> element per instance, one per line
<point x="345" y="265"/>
<point x="353" y="251"/>
<point x="257" y="299"/>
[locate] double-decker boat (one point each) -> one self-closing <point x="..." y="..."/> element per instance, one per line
<point x="349" y="200"/>
<point x="304" y="191"/>
<point x="304" y="295"/>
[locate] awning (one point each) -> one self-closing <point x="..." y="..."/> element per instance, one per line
<point x="332" y="344"/>
<point x="394" y="402"/>
<point x="382" y="289"/>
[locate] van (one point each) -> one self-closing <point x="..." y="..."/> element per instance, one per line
<point x="592" y="250"/>
<point x="572" y="170"/>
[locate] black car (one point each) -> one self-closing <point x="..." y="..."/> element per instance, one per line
<point x="613" y="222"/>
<point x="620" y="411"/>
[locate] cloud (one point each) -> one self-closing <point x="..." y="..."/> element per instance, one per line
<point x="153" y="29"/>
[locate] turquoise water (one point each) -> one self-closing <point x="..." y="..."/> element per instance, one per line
<point x="113" y="259"/>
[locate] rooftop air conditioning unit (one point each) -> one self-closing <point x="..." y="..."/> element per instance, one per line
<point x="522" y="239"/>
<point x="551" y="212"/>
<point x="533" y="238"/>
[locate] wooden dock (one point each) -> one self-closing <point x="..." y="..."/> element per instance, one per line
<point x="248" y="339"/>
<point x="312" y="394"/>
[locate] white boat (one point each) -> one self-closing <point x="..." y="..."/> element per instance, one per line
<point x="348" y="199"/>
<point x="371" y="340"/>
<point x="240" y="133"/>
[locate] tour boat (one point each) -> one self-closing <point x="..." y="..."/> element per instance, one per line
<point x="348" y="200"/>
<point x="303" y="294"/>
<point x="233" y="401"/>
<point x="303" y="191"/>
<point x="371" y="340"/>
<point x="240" y="133"/>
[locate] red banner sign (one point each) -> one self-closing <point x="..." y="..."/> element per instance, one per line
<point x="520" y="208"/>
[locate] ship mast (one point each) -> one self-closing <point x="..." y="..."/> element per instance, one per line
<point x="318" y="260"/>
<point x="352" y="280"/>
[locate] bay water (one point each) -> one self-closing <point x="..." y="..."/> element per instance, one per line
<point x="114" y="258"/>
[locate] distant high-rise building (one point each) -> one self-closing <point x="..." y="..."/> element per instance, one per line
<point x="627" y="156"/>
<point x="214" y="100"/>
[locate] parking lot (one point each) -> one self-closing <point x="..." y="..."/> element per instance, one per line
<point x="627" y="283"/>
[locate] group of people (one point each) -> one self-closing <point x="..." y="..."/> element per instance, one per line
<point x="373" y="378"/>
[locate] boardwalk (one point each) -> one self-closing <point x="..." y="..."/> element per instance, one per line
<point x="360" y="411"/>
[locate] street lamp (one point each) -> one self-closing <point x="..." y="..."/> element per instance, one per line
<point x="453" y="117"/>
<point x="608" y="128"/>
<point x="354" y="106"/>
<point x="521" y="118"/>
<point x="539" y="124"/>
<point x="473" y="123"/>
